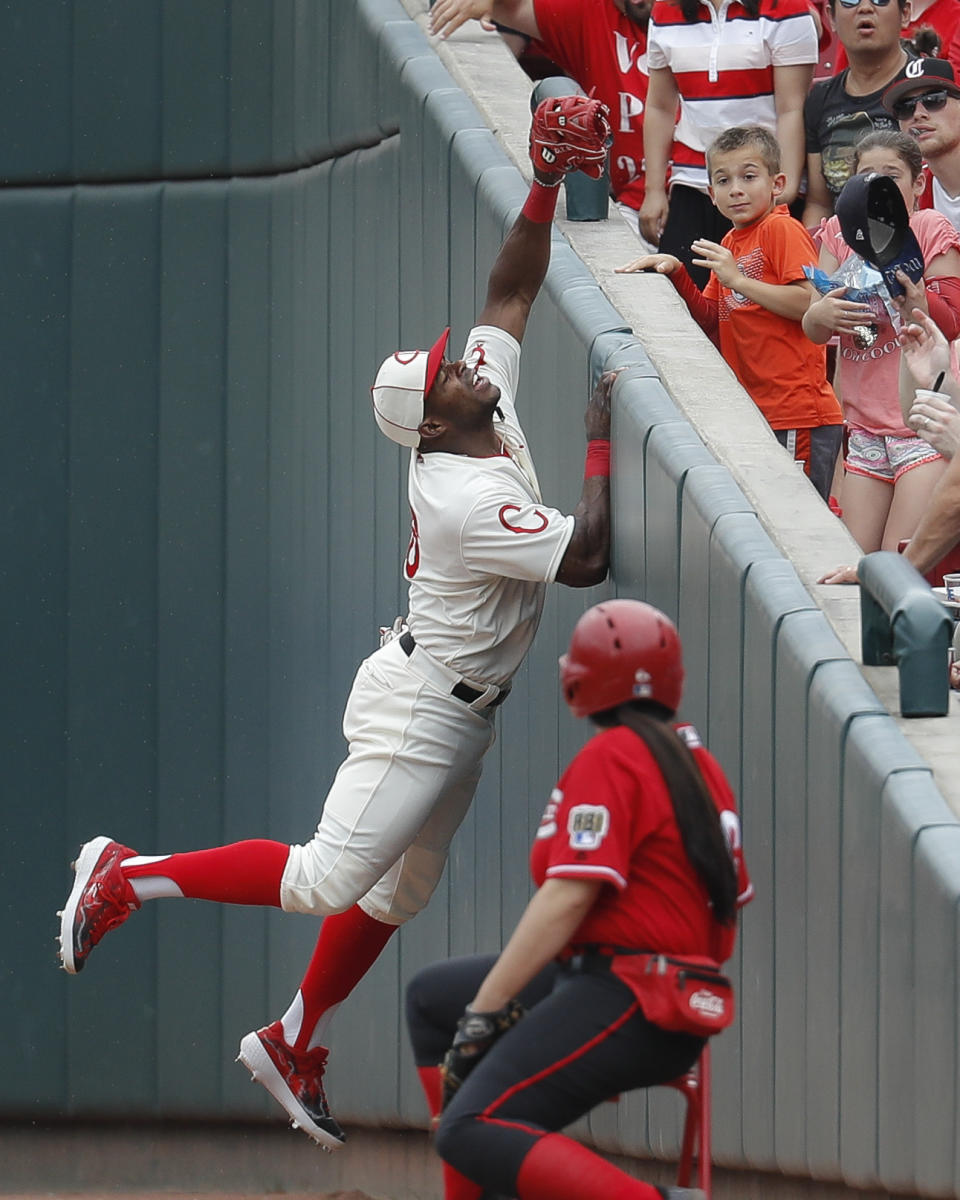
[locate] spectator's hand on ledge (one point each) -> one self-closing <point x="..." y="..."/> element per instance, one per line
<point x="662" y="264"/>
<point x="447" y="16"/>
<point x="936" y="420"/>
<point x="840" y="575"/>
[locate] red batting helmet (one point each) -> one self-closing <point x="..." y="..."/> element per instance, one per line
<point x="622" y="650"/>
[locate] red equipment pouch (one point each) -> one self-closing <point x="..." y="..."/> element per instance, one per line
<point x="683" y="995"/>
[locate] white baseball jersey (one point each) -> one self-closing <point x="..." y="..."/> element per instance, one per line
<point x="482" y="546"/>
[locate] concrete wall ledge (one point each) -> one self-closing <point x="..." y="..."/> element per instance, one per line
<point x="216" y="1160"/>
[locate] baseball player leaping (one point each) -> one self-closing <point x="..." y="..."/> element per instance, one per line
<point x="420" y="715"/>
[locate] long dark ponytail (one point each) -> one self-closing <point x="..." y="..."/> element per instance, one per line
<point x="693" y="807"/>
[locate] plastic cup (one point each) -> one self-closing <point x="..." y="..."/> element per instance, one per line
<point x="951" y="585"/>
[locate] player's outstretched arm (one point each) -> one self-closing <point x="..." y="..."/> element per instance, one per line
<point x="521" y="265"/>
<point x="568" y="133"/>
<point x="587" y="557"/>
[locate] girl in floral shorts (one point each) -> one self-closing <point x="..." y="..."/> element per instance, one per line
<point x="889" y="471"/>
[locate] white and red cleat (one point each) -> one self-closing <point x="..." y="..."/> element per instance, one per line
<point x="295" y="1080"/>
<point x="102" y="898"/>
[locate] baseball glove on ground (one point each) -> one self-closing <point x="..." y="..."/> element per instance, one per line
<point x="476" y="1033"/>
<point x="570" y="133"/>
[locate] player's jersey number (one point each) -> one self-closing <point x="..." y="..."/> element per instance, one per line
<point x="730" y="824"/>
<point x="413" y="550"/>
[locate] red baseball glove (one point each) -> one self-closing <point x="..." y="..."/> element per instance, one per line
<point x="570" y="133"/>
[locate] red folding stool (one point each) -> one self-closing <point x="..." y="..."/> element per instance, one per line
<point x="695" y="1088"/>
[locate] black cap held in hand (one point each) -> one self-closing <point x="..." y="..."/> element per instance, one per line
<point x="875" y="224"/>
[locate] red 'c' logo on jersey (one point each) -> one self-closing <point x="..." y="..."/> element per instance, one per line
<point x="519" y="528"/>
<point x="413" y="550"/>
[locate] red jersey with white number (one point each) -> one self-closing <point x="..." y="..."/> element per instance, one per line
<point x="601" y="48"/>
<point x="611" y="818"/>
<point x="483" y="545"/>
<point x="722" y="64"/>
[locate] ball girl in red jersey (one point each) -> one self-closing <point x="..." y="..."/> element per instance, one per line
<point x="611" y="979"/>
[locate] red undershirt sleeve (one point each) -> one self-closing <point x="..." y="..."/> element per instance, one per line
<point x="944" y="304"/>
<point x="703" y="311"/>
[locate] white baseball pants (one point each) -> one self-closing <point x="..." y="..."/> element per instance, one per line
<point x="408" y="779"/>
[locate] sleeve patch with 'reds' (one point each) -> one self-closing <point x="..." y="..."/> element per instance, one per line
<point x="588" y="825"/>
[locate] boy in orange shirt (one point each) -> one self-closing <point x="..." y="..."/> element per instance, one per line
<point x="756" y="297"/>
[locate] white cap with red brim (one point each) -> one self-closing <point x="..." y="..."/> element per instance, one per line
<point x="402" y="383"/>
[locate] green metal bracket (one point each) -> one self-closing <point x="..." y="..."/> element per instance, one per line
<point x="902" y="623"/>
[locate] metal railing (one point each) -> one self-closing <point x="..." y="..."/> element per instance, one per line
<point x="902" y="623"/>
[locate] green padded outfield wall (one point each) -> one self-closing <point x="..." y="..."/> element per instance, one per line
<point x="203" y="530"/>
<point x="215" y="220"/>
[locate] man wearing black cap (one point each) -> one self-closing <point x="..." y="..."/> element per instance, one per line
<point x="926" y="102"/>
<point x="841" y="110"/>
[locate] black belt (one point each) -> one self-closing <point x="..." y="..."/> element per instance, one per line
<point x="593" y="959"/>
<point x="462" y="691"/>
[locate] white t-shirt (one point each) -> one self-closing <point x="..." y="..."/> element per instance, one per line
<point x="944" y="203"/>
<point x="483" y="546"/>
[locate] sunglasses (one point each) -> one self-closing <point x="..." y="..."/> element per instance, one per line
<point x="906" y="106"/>
<point x="856" y="3"/>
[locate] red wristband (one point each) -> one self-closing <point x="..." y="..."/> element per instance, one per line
<point x="597" y="461"/>
<point x="541" y="204"/>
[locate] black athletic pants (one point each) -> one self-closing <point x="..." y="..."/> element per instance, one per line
<point x="817" y="449"/>
<point x="584" y="1041"/>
